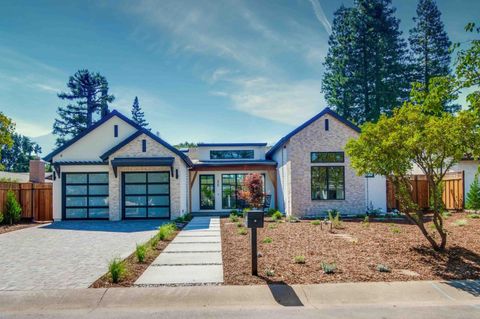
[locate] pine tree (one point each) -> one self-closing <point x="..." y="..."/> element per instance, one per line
<point x="370" y="76"/>
<point x="473" y="196"/>
<point x="137" y="114"/>
<point x="89" y="92"/>
<point x="429" y="44"/>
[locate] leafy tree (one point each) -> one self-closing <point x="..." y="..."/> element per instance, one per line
<point x="473" y="196"/>
<point x="252" y="190"/>
<point x="137" y="114"/>
<point x="429" y="43"/>
<point x="13" y="209"/>
<point x="7" y="127"/>
<point x="17" y="158"/>
<point x="432" y="142"/>
<point x="185" y="145"/>
<point x="366" y="73"/>
<point x="89" y="96"/>
<point x="437" y="99"/>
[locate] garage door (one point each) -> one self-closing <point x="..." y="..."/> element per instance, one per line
<point x="85" y="195"/>
<point x="146" y="195"/>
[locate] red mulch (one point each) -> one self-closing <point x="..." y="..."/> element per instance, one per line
<point x="23" y="224"/>
<point x="356" y="261"/>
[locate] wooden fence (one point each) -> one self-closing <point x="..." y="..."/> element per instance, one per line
<point x="453" y="192"/>
<point x="35" y="199"/>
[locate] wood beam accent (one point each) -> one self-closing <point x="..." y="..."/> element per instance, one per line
<point x="272" y="174"/>
<point x="193" y="176"/>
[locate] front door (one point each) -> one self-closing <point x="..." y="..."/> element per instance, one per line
<point x="207" y="191"/>
<point x="146" y="195"/>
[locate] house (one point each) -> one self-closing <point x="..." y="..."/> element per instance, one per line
<point x="118" y="170"/>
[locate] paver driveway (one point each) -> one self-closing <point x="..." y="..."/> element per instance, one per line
<point x="69" y="254"/>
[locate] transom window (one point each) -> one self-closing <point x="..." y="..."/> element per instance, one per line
<point x="234" y="154"/>
<point x="328" y="182"/>
<point x="327" y="157"/>
<point x="85" y="195"/>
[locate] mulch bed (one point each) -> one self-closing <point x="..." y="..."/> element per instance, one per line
<point x="356" y="250"/>
<point x="134" y="269"/>
<point x="23" y="224"/>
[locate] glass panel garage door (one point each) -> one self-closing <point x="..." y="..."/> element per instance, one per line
<point x="146" y="195"/>
<point x="85" y="195"/>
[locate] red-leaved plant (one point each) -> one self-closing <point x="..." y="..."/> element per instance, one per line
<point x="252" y="190"/>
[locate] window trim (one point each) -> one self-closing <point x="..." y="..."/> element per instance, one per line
<point x="311" y="183"/>
<point x="328" y="162"/>
<point x="200" y="191"/>
<point x="146" y="195"/>
<point x="241" y="158"/>
<point x="87" y="195"/>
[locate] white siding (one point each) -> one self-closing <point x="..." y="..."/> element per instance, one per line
<point x="470" y="168"/>
<point x="376" y="192"/>
<point x="283" y="184"/>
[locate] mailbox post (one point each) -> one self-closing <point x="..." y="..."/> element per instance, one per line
<point x="254" y="220"/>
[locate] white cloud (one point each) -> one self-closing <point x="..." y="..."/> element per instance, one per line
<point x="31" y="128"/>
<point x="320" y="14"/>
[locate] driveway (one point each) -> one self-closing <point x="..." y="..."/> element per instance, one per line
<point x="69" y="254"/>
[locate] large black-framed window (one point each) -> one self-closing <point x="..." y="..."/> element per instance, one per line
<point x="327" y="157"/>
<point x="85" y="195"/>
<point x="231" y="154"/>
<point x="231" y="184"/>
<point x="207" y="191"/>
<point x="328" y="182"/>
<point x="146" y="195"/>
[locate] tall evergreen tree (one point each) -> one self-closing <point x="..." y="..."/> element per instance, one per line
<point x="429" y="44"/>
<point x="137" y="114"/>
<point x="89" y="96"/>
<point x="371" y="72"/>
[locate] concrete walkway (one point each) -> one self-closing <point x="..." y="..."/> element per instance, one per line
<point x="399" y="300"/>
<point x="194" y="257"/>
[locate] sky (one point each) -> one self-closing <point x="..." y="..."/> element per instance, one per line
<point x="204" y="71"/>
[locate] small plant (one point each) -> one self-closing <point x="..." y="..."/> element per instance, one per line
<point x="234" y="212"/>
<point x="299" y="259"/>
<point x="269" y="272"/>
<point x="242" y="231"/>
<point x="245" y="212"/>
<point x="334" y="218"/>
<point x="141" y="252"/>
<point x="277" y="216"/>
<point x="184" y="218"/>
<point x="233" y="218"/>
<point x="383" y="268"/>
<point x="366" y="221"/>
<point x="154" y="241"/>
<point x="395" y="229"/>
<point x="116" y="269"/>
<point x="471" y="216"/>
<point x="270" y="212"/>
<point x="239" y="224"/>
<point x="267" y="240"/>
<point x="328" y="268"/>
<point x="315" y="222"/>
<point x="460" y="222"/>
<point x="272" y="226"/>
<point x="446" y="214"/>
<point x="166" y="231"/>
<point x="292" y="219"/>
<point x="13" y="209"/>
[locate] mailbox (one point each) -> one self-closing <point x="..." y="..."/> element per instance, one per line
<point x="254" y="219"/>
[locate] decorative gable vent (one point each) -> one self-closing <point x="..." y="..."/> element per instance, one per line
<point x="326" y="125"/>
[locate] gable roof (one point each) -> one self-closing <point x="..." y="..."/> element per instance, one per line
<point x="325" y="111"/>
<point x="140" y="130"/>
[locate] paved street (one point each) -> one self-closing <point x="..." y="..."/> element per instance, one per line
<point x="408" y="300"/>
<point x="70" y="254"/>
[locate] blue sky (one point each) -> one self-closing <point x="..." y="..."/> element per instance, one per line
<point x="204" y="71"/>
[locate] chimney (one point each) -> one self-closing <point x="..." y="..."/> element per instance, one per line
<point x="37" y="171"/>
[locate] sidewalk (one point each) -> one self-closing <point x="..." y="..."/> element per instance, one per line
<point x="193" y="257"/>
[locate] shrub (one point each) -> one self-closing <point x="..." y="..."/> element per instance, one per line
<point x="366" y="222"/>
<point x="328" y="268"/>
<point x="292" y="219"/>
<point x="299" y="259"/>
<point x="315" y="222"/>
<point x="233" y="218"/>
<point x="242" y="231"/>
<point x="252" y="190"/>
<point x="234" y="212"/>
<point x="335" y="219"/>
<point x="267" y="240"/>
<point x="116" y="269"/>
<point x="13" y="209"/>
<point x="383" y="268"/>
<point x="184" y="218"/>
<point x="245" y="211"/>
<point x="471" y="216"/>
<point x="239" y="224"/>
<point x="277" y="216"/>
<point x="154" y="241"/>
<point x="269" y="272"/>
<point x="272" y="226"/>
<point x="460" y="222"/>
<point x="166" y="231"/>
<point x="473" y="196"/>
<point x="140" y="252"/>
<point x="270" y="212"/>
<point x="395" y="229"/>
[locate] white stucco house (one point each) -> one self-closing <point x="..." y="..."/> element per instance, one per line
<point x="118" y="170"/>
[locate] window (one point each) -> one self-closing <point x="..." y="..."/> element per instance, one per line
<point x="144" y="146"/>
<point x="235" y="154"/>
<point x="85" y="195"/>
<point x="328" y="182"/>
<point x="231" y="184"/>
<point x="326" y="125"/>
<point x="115" y="130"/>
<point x="327" y="157"/>
<point x="207" y="191"/>
<point x="146" y="195"/>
